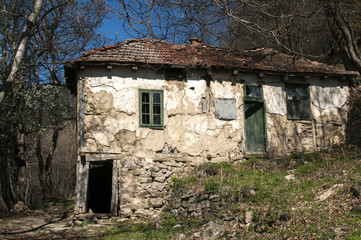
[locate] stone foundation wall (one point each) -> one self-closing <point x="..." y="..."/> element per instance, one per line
<point x="144" y="187"/>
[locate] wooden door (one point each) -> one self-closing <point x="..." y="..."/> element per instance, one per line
<point x="254" y="127"/>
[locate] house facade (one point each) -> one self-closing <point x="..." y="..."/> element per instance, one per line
<point x="149" y="110"/>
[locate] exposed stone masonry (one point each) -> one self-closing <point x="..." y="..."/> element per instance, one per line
<point x="145" y="186"/>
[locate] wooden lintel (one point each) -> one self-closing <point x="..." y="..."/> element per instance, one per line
<point x="101" y="156"/>
<point x="170" y="157"/>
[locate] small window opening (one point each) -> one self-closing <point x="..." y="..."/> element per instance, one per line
<point x="298" y="102"/>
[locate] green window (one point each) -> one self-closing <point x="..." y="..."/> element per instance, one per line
<point x="298" y="102"/>
<point x="151" y="108"/>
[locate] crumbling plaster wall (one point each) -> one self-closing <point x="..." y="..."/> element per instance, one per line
<point x="111" y="120"/>
<point x="329" y="106"/>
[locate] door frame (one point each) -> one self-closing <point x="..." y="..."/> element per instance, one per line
<point x="252" y="98"/>
<point x="82" y="187"/>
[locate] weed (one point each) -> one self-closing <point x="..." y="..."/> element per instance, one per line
<point x="212" y="185"/>
<point x="226" y="166"/>
<point x="355" y="235"/>
<point x="177" y="183"/>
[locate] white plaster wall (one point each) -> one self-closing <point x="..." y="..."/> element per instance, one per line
<point x="328" y="93"/>
<point x="186" y="128"/>
<point x="275" y="98"/>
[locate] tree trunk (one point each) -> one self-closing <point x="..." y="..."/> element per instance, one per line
<point x="343" y="35"/>
<point x="5" y="180"/>
<point x="49" y="161"/>
<point x="21" y="49"/>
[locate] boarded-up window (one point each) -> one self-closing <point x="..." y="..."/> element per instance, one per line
<point x="225" y="108"/>
<point x="298" y="102"/>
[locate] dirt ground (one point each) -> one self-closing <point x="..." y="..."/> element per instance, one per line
<point x="49" y="224"/>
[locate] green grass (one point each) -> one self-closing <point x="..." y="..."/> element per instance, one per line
<point x="314" y="174"/>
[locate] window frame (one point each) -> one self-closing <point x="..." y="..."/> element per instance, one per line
<point x="297" y="97"/>
<point x="151" y="93"/>
<point x="253" y="98"/>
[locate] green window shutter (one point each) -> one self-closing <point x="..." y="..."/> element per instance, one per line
<point x="298" y="102"/>
<point x="151" y="108"/>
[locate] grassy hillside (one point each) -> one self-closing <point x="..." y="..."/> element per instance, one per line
<point x="304" y="196"/>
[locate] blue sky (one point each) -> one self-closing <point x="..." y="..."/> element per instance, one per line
<point x="113" y="29"/>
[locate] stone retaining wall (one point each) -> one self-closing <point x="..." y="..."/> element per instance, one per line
<point x="199" y="203"/>
<point x="144" y="187"/>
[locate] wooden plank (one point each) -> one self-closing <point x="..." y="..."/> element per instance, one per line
<point x="82" y="187"/>
<point x="114" y="200"/>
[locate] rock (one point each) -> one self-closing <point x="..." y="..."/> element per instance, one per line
<point x="162" y="166"/>
<point x="159" y="179"/>
<point x="181" y="236"/>
<point x="197" y="235"/>
<point x="139" y="171"/>
<point x="290" y="177"/>
<point x="248" y="217"/>
<point x="168" y="173"/>
<point x="156" y="202"/>
<point x="329" y="192"/>
<point x="187" y="195"/>
<point x="158" y="186"/>
<point x="157" y="174"/>
<point x="145" y="179"/>
<point x="356" y="189"/>
<point x="129" y="164"/>
<point x="126" y="212"/>
<point x="123" y="171"/>
<point x="214" y="197"/>
<point x="154" y="169"/>
<point x="146" y="186"/>
<point x="157" y="194"/>
<point x="212" y="231"/>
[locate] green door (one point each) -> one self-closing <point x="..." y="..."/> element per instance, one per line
<point x="254" y="126"/>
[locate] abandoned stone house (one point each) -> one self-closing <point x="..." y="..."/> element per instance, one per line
<point x="149" y="110"/>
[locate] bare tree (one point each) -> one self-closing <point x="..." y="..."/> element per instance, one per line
<point x="342" y="31"/>
<point x="36" y="37"/>
<point x="296" y="27"/>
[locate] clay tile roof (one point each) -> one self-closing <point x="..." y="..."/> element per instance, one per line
<point x="150" y="51"/>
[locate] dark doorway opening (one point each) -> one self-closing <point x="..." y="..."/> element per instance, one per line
<point x="100" y="186"/>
